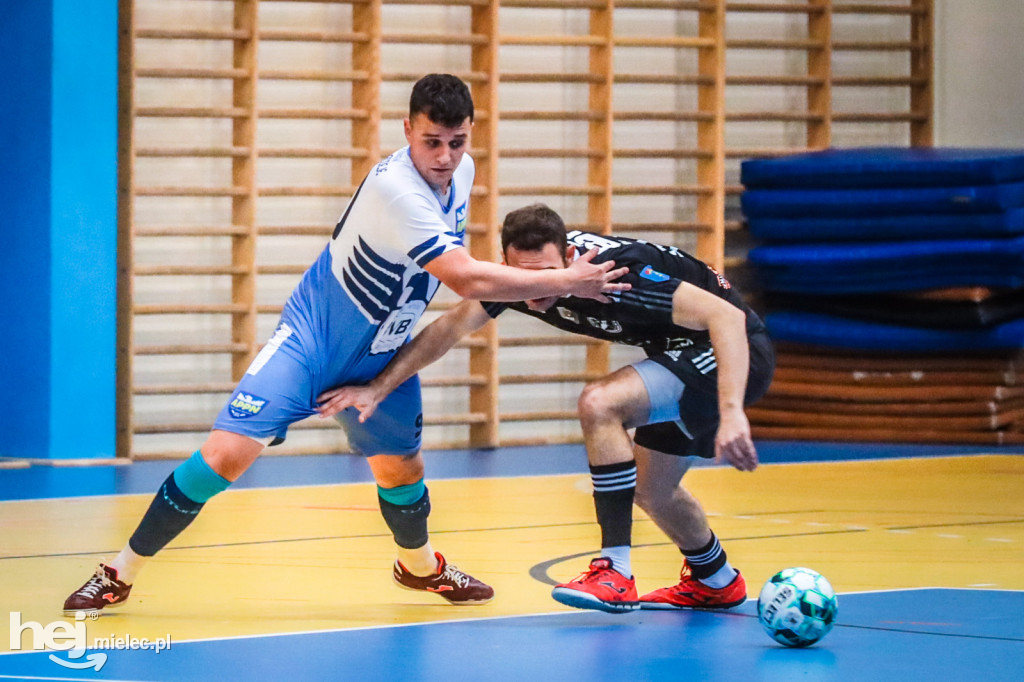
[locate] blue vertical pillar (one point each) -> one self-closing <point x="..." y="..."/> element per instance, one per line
<point x="58" y="189"/>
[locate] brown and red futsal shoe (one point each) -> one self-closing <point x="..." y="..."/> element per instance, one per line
<point x="691" y="593"/>
<point x="600" y="587"/>
<point x="102" y="591"/>
<point x="449" y="582"/>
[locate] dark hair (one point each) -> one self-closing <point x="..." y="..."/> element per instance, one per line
<point x="531" y="227"/>
<point x="443" y="98"/>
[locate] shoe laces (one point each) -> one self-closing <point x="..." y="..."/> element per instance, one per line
<point x="592" y="574"/>
<point x="455" y="575"/>
<point x="687" y="580"/>
<point x="96" y="583"/>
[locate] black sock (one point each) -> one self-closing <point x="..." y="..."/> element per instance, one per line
<point x="169" y="513"/>
<point x="614" y="487"/>
<point x="408" y="522"/>
<point x="707" y="560"/>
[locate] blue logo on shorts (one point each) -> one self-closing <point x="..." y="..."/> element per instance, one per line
<point x="245" y="405"/>
<point x="650" y="273"/>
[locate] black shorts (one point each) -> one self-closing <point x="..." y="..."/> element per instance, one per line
<point x="698" y="406"/>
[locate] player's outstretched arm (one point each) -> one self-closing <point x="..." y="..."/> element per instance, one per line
<point x="430" y="344"/>
<point x="695" y="308"/>
<point x="484" y="281"/>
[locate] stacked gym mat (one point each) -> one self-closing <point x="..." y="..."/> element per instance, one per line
<point x="894" y="280"/>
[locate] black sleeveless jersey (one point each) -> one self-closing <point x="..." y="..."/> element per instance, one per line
<point x="642" y="316"/>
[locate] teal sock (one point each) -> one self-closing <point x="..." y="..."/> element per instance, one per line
<point x="403" y="495"/>
<point x="197" y="480"/>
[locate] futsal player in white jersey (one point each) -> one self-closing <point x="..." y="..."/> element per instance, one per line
<point x="399" y="238"/>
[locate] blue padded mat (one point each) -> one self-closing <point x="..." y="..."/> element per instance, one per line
<point x="873" y="283"/>
<point x="866" y="267"/>
<point x="917" y="226"/>
<point x="903" y="254"/>
<point x="839" y="203"/>
<point x="887" y="282"/>
<point x="838" y="332"/>
<point x="908" y="310"/>
<point x="886" y="167"/>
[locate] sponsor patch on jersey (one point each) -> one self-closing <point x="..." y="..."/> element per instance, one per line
<point x="567" y="314"/>
<point x="610" y="326"/>
<point x="460" y="220"/>
<point x="722" y="281"/>
<point x="396" y="329"/>
<point x="650" y="273"/>
<point x="246" y="405"/>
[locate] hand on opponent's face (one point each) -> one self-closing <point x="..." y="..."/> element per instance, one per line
<point x="595" y="281"/>
<point x="589" y="280"/>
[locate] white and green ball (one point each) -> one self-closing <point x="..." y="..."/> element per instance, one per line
<point x="797" y="607"/>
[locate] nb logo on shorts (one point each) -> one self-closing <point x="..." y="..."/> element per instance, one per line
<point x="245" y="405"/>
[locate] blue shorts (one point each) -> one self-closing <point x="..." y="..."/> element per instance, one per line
<point x="279" y="389"/>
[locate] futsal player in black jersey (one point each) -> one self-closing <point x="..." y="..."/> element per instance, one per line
<point x="708" y="356"/>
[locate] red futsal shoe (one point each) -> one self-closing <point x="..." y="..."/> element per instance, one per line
<point x="691" y="593"/>
<point x="600" y="587"/>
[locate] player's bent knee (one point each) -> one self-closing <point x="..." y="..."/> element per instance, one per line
<point x="391" y="471"/>
<point x="197" y="480"/>
<point x="230" y="454"/>
<point x="595" y="404"/>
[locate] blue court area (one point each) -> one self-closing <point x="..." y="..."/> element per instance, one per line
<point x="935" y="634"/>
<point x="893" y="557"/>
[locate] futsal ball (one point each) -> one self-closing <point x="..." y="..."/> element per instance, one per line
<point x="797" y="607"/>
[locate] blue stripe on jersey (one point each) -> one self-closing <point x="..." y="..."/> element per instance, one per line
<point x="394" y="270"/>
<point x="363" y="271"/>
<point x="370" y="307"/>
<point x="417" y="250"/>
<point x="430" y="255"/>
<point x="372" y="287"/>
<point x="373" y="269"/>
<point x="494" y="309"/>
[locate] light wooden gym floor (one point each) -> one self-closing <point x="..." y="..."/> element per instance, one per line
<point x="273" y="557"/>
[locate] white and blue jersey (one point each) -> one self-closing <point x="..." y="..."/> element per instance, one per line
<point x="355" y="306"/>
